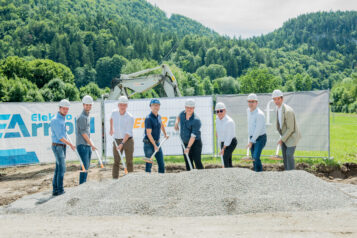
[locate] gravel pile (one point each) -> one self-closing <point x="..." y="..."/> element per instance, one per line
<point x="198" y="193"/>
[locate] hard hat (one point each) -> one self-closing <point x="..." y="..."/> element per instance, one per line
<point x="220" y="106"/>
<point x="87" y="99"/>
<point x="123" y="100"/>
<point x="252" y="96"/>
<point x="155" y="101"/>
<point x="277" y="93"/>
<point x="190" y="103"/>
<point x="64" y="103"/>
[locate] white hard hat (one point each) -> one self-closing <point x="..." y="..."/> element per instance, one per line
<point x="123" y="100"/>
<point x="277" y="93"/>
<point x="64" y="103"/>
<point x="252" y="96"/>
<point x="190" y="103"/>
<point x="87" y="100"/>
<point x="220" y="105"/>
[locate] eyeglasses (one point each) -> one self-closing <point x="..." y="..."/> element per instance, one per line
<point x="219" y="111"/>
<point x="251" y="101"/>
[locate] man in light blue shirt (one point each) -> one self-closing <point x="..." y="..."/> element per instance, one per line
<point x="256" y="130"/>
<point x="59" y="142"/>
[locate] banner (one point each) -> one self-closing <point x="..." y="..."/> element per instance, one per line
<point x="169" y="110"/>
<point x="25" y="134"/>
<point x="311" y="111"/>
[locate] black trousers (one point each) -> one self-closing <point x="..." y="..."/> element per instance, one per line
<point x="195" y="155"/>
<point x="227" y="156"/>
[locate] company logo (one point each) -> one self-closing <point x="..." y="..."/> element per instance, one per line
<point x="13" y="125"/>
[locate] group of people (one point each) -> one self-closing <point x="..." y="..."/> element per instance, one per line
<point x="189" y="126"/>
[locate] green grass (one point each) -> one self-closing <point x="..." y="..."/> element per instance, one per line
<point x="343" y="146"/>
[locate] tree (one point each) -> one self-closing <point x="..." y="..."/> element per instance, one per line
<point x="259" y="80"/>
<point x="108" y="69"/>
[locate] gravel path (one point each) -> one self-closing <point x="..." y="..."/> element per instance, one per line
<point x="199" y="193"/>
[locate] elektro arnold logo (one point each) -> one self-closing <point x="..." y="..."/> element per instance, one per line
<point x="14" y="126"/>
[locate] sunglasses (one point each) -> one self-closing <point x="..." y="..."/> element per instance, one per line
<point x="219" y="111"/>
<point x="251" y="101"/>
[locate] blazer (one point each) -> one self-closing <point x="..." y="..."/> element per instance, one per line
<point x="289" y="131"/>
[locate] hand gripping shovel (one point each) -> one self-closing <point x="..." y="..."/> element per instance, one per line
<point x="99" y="159"/>
<point x="76" y="152"/>
<point x="121" y="157"/>
<point x="222" y="161"/>
<point x="187" y="157"/>
<point x="149" y="160"/>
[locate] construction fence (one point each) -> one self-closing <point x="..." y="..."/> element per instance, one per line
<point x="25" y="130"/>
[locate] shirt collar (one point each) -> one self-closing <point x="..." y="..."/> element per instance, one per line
<point x="85" y="113"/>
<point x="59" y="115"/>
<point x="153" y="115"/>
<point x="191" y="117"/>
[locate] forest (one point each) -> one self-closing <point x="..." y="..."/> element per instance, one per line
<point x="54" y="49"/>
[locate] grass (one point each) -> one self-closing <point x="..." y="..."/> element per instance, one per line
<point x="343" y="129"/>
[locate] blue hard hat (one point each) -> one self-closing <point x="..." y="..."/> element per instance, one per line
<point x="154" y="101"/>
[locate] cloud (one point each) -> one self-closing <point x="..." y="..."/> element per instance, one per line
<point x="248" y="18"/>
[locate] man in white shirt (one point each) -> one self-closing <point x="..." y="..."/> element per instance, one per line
<point x="256" y="130"/>
<point x="121" y="126"/>
<point x="226" y="134"/>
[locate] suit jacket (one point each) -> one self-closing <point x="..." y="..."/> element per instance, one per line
<point x="289" y="131"/>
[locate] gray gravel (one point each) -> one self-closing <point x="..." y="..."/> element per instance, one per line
<point x="198" y="193"/>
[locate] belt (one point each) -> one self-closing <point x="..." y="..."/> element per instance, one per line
<point x="147" y="141"/>
<point x="56" y="144"/>
<point x="123" y="138"/>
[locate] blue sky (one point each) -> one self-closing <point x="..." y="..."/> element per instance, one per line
<point x="248" y="18"/>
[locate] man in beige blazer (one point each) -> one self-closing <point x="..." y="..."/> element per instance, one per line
<point x="288" y="130"/>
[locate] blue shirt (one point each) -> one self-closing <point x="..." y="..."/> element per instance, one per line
<point x="58" y="128"/>
<point x="256" y="124"/>
<point x="189" y="128"/>
<point x="154" y="123"/>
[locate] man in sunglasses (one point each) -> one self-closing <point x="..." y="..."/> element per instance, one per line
<point x="256" y="130"/>
<point x="226" y="134"/>
<point x="190" y="132"/>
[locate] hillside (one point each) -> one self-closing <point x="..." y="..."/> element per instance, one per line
<point x="98" y="40"/>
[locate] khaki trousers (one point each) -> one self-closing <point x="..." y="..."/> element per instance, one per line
<point x="128" y="148"/>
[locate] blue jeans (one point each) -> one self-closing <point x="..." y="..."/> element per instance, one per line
<point x="256" y="151"/>
<point x="57" y="182"/>
<point x="149" y="150"/>
<point x="85" y="152"/>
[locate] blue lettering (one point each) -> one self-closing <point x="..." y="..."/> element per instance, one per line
<point x="16" y="119"/>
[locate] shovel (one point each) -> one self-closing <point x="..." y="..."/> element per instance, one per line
<point x="121" y="157"/>
<point x="247" y="157"/>
<point x="276" y="156"/>
<point x="79" y="158"/>
<point x="187" y="157"/>
<point x="149" y="160"/>
<point x="99" y="159"/>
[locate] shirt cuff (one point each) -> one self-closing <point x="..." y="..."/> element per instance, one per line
<point x="193" y="135"/>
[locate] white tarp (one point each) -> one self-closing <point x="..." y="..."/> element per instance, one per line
<point x="25" y="134"/>
<point x="311" y="110"/>
<point x="169" y="110"/>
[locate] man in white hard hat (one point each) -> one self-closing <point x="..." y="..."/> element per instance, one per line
<point x="226" y="134"/>
<point x="59" y="142"/>
<point x="287" y="128"/>
<point x="190" y="133"/>
<point x="256" y="130"/>
<point x="121" y="126"/>
<point x="83" y="142"/>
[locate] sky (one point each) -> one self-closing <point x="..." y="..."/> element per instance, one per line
<point x="247" y="18"/>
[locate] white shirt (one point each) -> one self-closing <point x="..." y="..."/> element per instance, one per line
<point x="122" y="124"/>
<point x="226" y="130"/>
<point x="256" y="124"/>
<point x="280" y="111"/>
